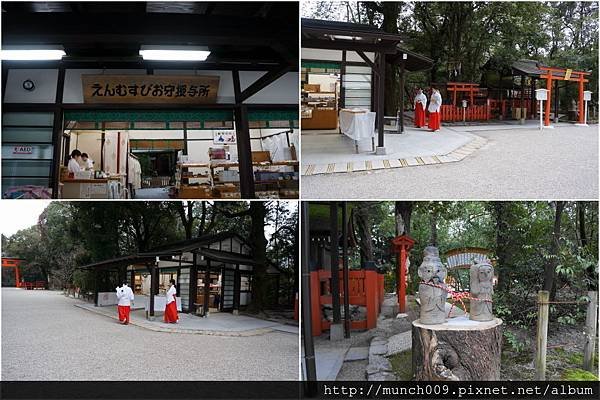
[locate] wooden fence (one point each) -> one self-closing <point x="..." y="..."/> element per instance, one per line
<point x="366" y="288"/>
<point x="450" y="113"/>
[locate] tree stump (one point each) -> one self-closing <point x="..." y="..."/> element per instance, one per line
<point x="457" y="350"/>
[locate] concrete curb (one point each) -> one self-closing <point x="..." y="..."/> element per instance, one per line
<point x="151" y="327"/>
<point x="456" y="155"/>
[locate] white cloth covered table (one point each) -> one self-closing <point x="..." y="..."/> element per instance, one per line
<point x="357" y="125"/>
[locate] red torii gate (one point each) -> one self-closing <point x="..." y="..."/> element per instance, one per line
<point x="402" y="245"/>
<point x="564" y="74"/>
<point x="455" y="87"/>
<point x="9" y="262"/>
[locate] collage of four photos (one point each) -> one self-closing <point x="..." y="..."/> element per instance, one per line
<point x="311" y="191"/>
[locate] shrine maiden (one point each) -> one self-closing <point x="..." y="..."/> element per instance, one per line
<point x="73" y="165"/>
<point x="125" y="297"/>
<point x="420" y="102"/>
<point x="435" y="104"/>
<point x="88" y="162"/>
<point x="171" y="316"/>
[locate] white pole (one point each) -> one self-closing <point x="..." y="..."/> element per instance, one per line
<point x="585" y="113"/>
<point x="541" y="115"/>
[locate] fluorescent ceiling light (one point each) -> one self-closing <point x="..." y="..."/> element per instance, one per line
<point x="342" y="37"/>
<point x="37" y="54"/>
<point x="173" y="54"/>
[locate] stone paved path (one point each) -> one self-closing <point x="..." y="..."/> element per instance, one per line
<point x="45" y="337"/>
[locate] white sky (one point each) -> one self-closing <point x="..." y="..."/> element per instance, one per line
<point x="19" y="214"/>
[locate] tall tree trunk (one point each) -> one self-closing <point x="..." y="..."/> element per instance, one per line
<point x="433" y="218"/>
<point x="501" y="214"/>
<point x="550" y="268"/>
<point x="258" y="213"/>
<point x="581" y="224"/>
<point x="362" y="215"/>
<point x="403" y="211"/>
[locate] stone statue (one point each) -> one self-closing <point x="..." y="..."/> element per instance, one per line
<point x="432" y="291"/>
<point x="482" y="288"/>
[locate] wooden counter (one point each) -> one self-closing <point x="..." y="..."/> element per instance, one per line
<point x="322" y="118"/>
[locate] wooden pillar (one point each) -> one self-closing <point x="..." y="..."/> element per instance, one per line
<point x="581" y="101"/>
<point x="244" y="148"/>
<point x="380" y="102"/>
<point x="591" y="320"/>
<point x="346" y="270"/>
<point x="335" y="263"/>
<point x="307" y="325"/>
<point x="185" y="138"/>
<point x="402" y="283"/>
<point x="532" y="99"/>
<point x="454" y="90"/>
<point x="96" y="287"/>
<point x="402" y="70"/>
<point x="501" y="99"/>
<point x="193" y="289"/>
<point x="522" y="105"/>
<point x="556" y="101"/>
<point x="237" y="280"/>
<point x="206" y="287"/>
<point x="542" y="335"/>
<point x="471" y="93"/>
<point x="342" y="101"/>
<point x="547" y="108"/>
<point x="132" y="278"/>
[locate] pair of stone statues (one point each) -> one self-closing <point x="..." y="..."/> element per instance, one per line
<point x="433" y="291"/>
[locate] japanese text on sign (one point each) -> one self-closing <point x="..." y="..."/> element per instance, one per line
<point x="149" y="89"/>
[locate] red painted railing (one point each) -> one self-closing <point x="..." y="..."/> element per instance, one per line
<point x="34" y="285"/>
<point x="450" y="113"/>
<point x="366" y="288"/>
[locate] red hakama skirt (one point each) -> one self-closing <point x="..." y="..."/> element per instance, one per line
<point x="434" y="121"/>
<point x="419" y="115"/>
<point x="124" y="313"/>
<point x="171" y="316"/>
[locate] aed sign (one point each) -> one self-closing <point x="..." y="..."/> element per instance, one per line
<point x="22" y="150"/>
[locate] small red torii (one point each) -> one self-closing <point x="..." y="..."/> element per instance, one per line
<point x="402" y="245"/>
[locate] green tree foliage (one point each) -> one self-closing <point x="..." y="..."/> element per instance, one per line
<point x="71" y="234"/>
<point x="521" y="238"/>
<point x="463" y="36"/>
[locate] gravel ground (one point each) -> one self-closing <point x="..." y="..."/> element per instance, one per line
<point x="561" y="163"/>
<point x="45" y="337"/>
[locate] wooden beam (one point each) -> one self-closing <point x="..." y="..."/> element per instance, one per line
<point x="368" y="61"/>
<point x="262" y="82"/>
<point x="353" y="46"/>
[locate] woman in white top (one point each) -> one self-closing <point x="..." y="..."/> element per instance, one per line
<point x="435" y="103"/>
<point x="124" y="297"/>
<point x="74" y="162"/>
<point x="87" y="162"/>
<point x="171" y="316"/>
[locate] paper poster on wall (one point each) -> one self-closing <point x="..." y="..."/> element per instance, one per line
<point x="224" y="137"/>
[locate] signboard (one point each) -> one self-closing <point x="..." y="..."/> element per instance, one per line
<point x="224" y="137"/>
<point x="22" y="150"/>
<point x="568" y="74"/>
<point x="541" y="94"/>
<point x="27" y="151"/>
<point x="149" y="89"/>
